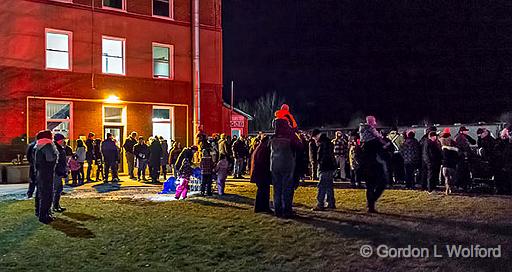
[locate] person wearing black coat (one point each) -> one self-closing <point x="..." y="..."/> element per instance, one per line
<point x="141" y="152"/>
<point x="261" y="175"/>
<point x="326" y="167"/>
<point x="432" y="157"/>
<point x="111" y="158"/>
<point x="45" y="160"/>
<point x="313" y="151"/>
<point x="186" y="153"/>
<point x="503" y="165"/>
<point x="155" y="156"/>
<point x="32" y="171"/>
<point x="411" y="153"/>
<point x="130" y="157"/>
<point x="61" y="171"/>
<point x="89" y="154"/>
<point x="450" y="157"/>
<point x="463" y="142"/>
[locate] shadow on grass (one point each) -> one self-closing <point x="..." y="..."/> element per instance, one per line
<point x="215" y="204"/>
<point x="17" y="236"/>
<point x="106" y="187"/>
<point x="72" y="229"/>
<point x="80" y="216"/>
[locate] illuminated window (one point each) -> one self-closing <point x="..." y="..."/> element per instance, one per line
<point x="162" y="55"/>
<point x="163" y="122"/>
<point x="113" y="56"/>
<point x="113" y="115"/>
<point x="163" y="8"/>
<point x="58" y="45"/>
<point x="58" y="117"/>
<point x="116" y="4"/>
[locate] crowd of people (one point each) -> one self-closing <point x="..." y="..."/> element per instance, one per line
<point x="368" y="155"/>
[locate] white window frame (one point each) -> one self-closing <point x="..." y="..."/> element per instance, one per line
<point x="171" y="60"/>
<point x="171" y="10"/>
<point x="123" y="40"/>
<point x="123" y="115"/>
<point x="123" y="9"/>
<point x="70" y="48"/>
<point x="165" y="121"/>
<point x="70" y="120"/>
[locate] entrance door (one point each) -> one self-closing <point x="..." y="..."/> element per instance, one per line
<point x="117" y="134"/>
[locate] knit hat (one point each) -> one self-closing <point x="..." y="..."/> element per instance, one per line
<point x="480" y="131"/>
<point x="446" y="133"/>
<point x="58" y="137"/>
<point x="463" y="128"/>
<point x="285" y="107"/>
<point x="44" y="134"/>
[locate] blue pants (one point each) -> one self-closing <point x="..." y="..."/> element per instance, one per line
<point x="57" y="191"/>
<point x="326" y="189"/>
<point x="283" y="192"/>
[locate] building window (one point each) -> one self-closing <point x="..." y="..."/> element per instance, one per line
<point x="58" y="48"/>
<point x="162" y="60"/>
<point x="113" y="56"/>
<point x="115" y="4"/>
<point x="58" y="117"/>
<point x="163" y="122"/>
<point x="163" y="8"/>
<point x="113" y="115"/>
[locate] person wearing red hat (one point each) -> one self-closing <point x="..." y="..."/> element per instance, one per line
<point x="284" y="113"/>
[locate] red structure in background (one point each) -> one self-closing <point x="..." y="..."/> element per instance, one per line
<point x="84" y="97"/>
<point x="238" y="121"/>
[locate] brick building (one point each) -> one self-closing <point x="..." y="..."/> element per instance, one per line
<point x="115" y="66"/>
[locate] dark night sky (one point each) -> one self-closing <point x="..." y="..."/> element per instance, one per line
<point x="445" y="61"/>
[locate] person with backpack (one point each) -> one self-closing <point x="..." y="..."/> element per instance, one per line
<point x="326" y="167"/>
<point x="283" y="147"/>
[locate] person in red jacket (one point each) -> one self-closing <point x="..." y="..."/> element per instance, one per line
<point x="284" y="113"/>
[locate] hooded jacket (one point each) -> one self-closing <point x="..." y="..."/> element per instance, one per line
<point x="45" y="159"/>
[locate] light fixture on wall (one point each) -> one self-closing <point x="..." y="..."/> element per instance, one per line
<point x="112" y="99"/>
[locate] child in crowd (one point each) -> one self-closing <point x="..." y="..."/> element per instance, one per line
<point x="74" y="166"/>
<point x="206" y="173"/>
<point x="184" y="173"/>
<point x="222" y="173"/>
<point x="449" y="161"/>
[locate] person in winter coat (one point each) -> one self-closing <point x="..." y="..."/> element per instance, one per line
<point x="90" y="156"/>
<point x="261" y="175"/>
<point x="186" y="153"/>
<point x="165" y="156"/>
<point x="173" y="157"/>
<point x="463" y="142"/>
<point x="45" y="158"/>
<point x="283" y="147"/>
<point x="223" y="146"/>
<point x="130" y="156"/>
<point x="397" y="162"/>
<point x="450" y="156"/>
<point x="82" y="155"/>
<point x="32" y="170"/>
<point x="424" y="171"/>
<point x="141" y="153"/>
<point x="74" y="167"/>
<point x="60" y="172"/>
<point x="185" y="172"/>
<point x="155" y="156"/>
<point x="206" y="166"/>
<point x="372" y="164"/>
<point x="340" y="153"/>
<point x="354" y="158"/>
<point x="239" y="154"/>
<point x="313" y="152"/>
<point x="69" y="154"/>
<point x="503" y="164"/>
<point x="432" y="157"/>
<point x="486" y="144"/>
<point x="221" y="169"/>
<point x="326" y="167"/>
<point x="411" y="154"/>
<point x="98" y="160"/>
<point x="284" y="114"/>
<point x="111" y="158"/>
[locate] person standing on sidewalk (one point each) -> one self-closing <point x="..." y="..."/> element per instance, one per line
<point x="206" y="173"/>
<point x="326" y="167"/>
<point x="89" y="155"/>
<point x="130" y="157"/>
<point x="60" y="172"/>
<point x="110" y="153"/>
<point x="340" y="146"/>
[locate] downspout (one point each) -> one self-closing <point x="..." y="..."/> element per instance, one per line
<point x="92" y="45"/>
<point x="196" y="84"/>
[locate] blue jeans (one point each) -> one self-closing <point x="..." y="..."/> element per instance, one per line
<point x="326" y="189"/>
<point x="57" y="191"/>
<point x="283" y="192"/>
<point x="237" y="171"/>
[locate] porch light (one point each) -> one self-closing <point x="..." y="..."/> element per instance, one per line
<point x="112" y="99"/>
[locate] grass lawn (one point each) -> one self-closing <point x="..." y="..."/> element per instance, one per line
<point x="223" y="234"/>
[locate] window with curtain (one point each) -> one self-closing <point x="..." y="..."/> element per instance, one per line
<point x="58" y="117"/>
